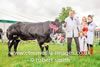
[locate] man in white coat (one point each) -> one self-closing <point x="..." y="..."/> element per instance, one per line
<point x="72" y="29"/>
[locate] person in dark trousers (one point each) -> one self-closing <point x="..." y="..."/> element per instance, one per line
<point x="72" y="30"/>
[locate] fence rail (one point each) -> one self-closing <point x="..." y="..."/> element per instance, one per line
<point x="97" y="37"/>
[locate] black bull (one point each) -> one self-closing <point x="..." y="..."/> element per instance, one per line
<point x="31" y="31"/>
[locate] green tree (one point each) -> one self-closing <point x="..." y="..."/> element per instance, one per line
<point x="64" y="13"/>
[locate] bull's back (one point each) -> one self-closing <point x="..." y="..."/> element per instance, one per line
<point x="27" y="31"/>
<point x="39" y="28"/>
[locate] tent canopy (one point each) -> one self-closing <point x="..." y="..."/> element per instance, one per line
<point x="7" y="21"/>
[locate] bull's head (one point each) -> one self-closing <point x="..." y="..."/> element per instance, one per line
<point x="58" y="26"/>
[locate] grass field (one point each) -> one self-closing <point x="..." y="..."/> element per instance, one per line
<point x="58" y="57"/>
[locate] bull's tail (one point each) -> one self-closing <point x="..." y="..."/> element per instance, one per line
<point x="7" y="34"/>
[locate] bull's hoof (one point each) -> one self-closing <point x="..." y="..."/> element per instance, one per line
<point x="15" y="54"/>
<point x="48" y="53"/>
<point x="9" y="55"/>
<point x="42" y="55"/>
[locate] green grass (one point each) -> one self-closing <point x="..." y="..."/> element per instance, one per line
<point x="59" y="60"/>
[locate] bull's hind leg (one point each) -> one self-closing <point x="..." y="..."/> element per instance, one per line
<point x="47" y="50"/>
<point x="10" y="44"/>
<point x="15" y="46"/>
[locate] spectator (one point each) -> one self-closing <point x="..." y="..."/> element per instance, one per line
<point x="90" y="33"/>
<point x="83" y="43"/>
<point x="84" y="26"/>
<point x="72" y="29"/>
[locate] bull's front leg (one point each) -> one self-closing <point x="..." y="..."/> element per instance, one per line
<point x="42" y="49"/>
<point x="47" y="50"/>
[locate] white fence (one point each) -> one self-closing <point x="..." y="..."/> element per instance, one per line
<point x="97" y="37"/>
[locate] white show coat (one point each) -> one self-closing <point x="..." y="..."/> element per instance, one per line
<point x="72" y="27"/>
<point x="90" y="33"/>
<point x="83" y="43"/>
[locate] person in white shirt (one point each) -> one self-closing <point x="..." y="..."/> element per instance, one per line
<point x="72" y="29"/>
<point x="83" y="43"/>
